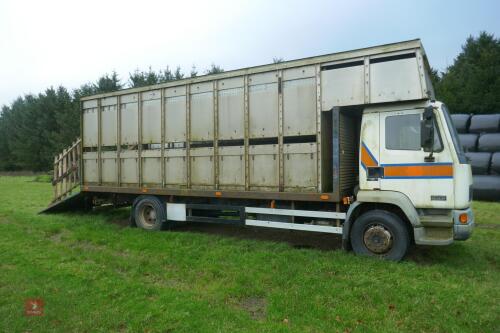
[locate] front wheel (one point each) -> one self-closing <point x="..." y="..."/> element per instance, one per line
<point x="380" y="233"/>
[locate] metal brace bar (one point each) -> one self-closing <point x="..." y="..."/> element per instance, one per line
<point x="295" y="212"/>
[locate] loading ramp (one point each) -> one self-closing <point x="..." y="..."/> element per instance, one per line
<point x="66" y="181"/>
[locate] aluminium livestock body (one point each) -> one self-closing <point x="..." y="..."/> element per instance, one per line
<point x="350" y="143"/>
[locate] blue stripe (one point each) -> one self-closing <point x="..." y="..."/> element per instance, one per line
<point x="363" y="165"/>
<point x="370" y="153"/>
<point x="418" y="164"/>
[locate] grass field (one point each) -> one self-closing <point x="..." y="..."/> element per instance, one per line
<point x="95" y="275"/>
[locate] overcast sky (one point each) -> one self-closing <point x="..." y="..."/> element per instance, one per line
<point x="47" y="43"/>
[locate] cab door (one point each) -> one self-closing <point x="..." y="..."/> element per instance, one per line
<point x="427" y="182"/>
<point x="369" y="147"/>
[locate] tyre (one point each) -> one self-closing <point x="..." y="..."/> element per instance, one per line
<point x="381" y="234"/>
<point x="149" y="213"/>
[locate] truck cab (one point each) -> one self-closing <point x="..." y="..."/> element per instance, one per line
<point x="411" y="165"/>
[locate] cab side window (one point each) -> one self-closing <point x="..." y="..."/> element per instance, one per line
<point x="402" y="132"/>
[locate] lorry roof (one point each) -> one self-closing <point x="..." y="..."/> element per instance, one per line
<point x="339" y="56"/>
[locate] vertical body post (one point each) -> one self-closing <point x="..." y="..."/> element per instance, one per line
<point x="426" y="91"/>
<point x="318" y="128"/>
<point x="188" y="135"/>
<point x="336" y="149"/>
<point x="80" y="147"/>
<point x="162" y="135"/>
<point x="99" y="141"/>
<point x="367" y="79"/>
<point x="118" y="140"/>
<point x="246" y="133"/>
<point x="139" y="137"/>
<point x="216" y="133"/>
<point x="281" y="157"/>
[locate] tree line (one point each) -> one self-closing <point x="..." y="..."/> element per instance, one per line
<point x="472" y="83"/>
<point x="36" y="127"/>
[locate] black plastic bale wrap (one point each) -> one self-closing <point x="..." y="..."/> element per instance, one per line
<point x="486" y="187"/>
<point x="461" y="122"/>
<point x="485" y="123"/>
<point x="468" y="141"/>
<point x="495" y="164"/>
<point x="489" y="142"/>
<point x="479" y="162"/>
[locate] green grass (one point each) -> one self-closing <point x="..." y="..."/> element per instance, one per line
<point x="94" y="275"/>
<point x="43" y="178"/>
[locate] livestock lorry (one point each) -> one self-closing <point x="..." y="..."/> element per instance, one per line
<point x="350" y="143"/>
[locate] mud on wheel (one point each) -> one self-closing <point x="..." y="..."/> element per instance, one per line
<point x="381" y="234"/>
<point x="149" y="213"/>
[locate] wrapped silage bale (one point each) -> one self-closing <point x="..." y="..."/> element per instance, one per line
<point x="486" y="187"/>
<point x="461" y="122"/>
<point x="468" y="141"/>
<point x="485" y="123"/>
<point x="495" y="164"/>
<point x="480" y="162"/>
<point x="489" y="142"/>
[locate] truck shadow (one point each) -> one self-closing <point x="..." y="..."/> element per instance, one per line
<point x="421" y="255"/>
<point x="296" y="239"/>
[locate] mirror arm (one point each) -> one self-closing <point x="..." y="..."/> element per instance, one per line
<point x="430" y="158"/>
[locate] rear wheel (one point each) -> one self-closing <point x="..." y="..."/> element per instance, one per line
<point x="380" y="234"/>
<point x="149" y="213"/>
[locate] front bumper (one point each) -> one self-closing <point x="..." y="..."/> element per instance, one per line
<point x="462" y="231"/>
<point x="443" y="230"/>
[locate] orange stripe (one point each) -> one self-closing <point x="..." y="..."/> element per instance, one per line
<point x="366" y="158"/>
<point x="419" y="171"/>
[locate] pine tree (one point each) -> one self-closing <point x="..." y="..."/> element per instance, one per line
<point x="194" y="72"/>
<point x="177" y="74"/>
<point x="141" y="78"/>
<point x="6" y="158"/>
<point x="166" y="75"/>
<point x="214" y="69"/>
<point x="108" y="83"/>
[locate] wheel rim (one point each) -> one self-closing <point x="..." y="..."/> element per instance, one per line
<point x="147" y="215"/>
<point x="378" y="239"/>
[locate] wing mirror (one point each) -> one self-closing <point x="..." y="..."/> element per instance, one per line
<point x="427" y="132"/>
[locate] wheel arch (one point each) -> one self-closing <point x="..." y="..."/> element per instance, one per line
<point x="394" y="202"/>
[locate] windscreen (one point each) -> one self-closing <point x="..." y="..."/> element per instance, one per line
<point x="454" y="136"/>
